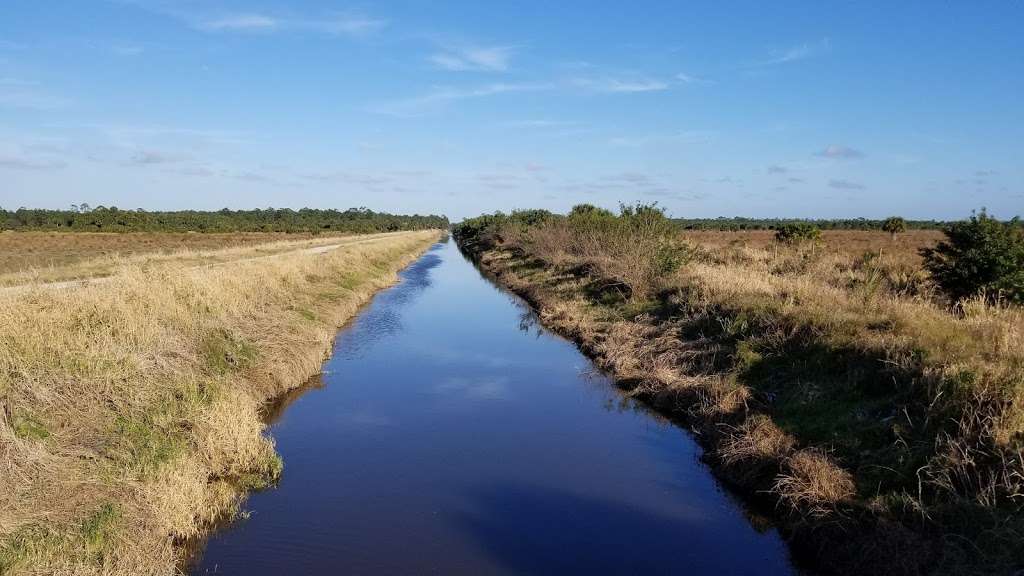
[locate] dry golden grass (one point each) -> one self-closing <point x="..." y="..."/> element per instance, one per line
<point x="23" y="250"/>
<point x="904" y="247"/>
<point x="813" y="484"/>
<point x="27" y="257"/>
<point x="756" y="439"/>
<point x="129" y="409"/>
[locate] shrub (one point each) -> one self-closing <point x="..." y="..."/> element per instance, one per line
<point x="979" y="256"/>
<point x="589" y="210"/>
<point x="797" y="233"/>
<point x="894" y="225"/>
<point x="637" y="248"/>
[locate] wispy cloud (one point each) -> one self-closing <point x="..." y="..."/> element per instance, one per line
<point x="539" y="123"/>
<point x="794" y="54"/>
<point x="695" y="80"/>
<point x="474" y="58"/>
<point x="355" y="178"/>
<point x="21" y="162"/>
<point x="128" y="49"/>
<point x="629" y="178"/>
<point x="34" y="157"/>
<point x="501" y="181"/>
<point x="617" y="85"/>
<point x="196" y="171"/>
<point x="840" y="184"/>
<point x="839" y="152"/>
<point x="202" y="17"/>
<point x="347" y="25"/>
<point x="438" y="98"/>
<point x="152" y="157"/>
<point x="146" y="137"/>
<point x="340" y="25"/>
<point x="632" y="183"/>
<point x="239" y="22"/>
<point x="680" y="137"/>
<point x="776" y="169"/>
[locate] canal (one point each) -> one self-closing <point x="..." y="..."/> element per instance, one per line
<point x="449" y="434"/>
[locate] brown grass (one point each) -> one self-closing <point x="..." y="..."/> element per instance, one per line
<point x="59" y="255"/>
<point x="129" y="409"/>
<point x="813" y="484"/>
<point x="904" y="247"/>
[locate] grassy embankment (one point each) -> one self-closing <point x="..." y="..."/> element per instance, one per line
<point x="129" y="409"/>
<point x="833" y="384"/>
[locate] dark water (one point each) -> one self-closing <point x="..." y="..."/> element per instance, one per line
<point x="449" y="436"/>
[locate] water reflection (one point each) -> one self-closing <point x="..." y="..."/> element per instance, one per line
<point x="273" y="411"/>
<point x="528" y="321"/>
<point x="385" y="316"/>
<point x="574" y="538"/>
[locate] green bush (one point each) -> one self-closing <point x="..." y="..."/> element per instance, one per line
<point x="589" y="211"/>
<point x="637" y="248"/>
<point x="797" y="233"/>
<point x="980" y="256"/>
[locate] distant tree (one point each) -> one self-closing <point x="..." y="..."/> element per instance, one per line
<point x="980" y="256"/>
<point x="894" y="225"/>
<point x="581" y="210"/>
<point x="83" y="218"/>
<point x="797" y="233"/>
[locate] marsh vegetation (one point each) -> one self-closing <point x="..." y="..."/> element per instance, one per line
<point x="837" y="374"/>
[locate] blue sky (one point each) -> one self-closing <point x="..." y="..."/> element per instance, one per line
<point x="816" y="109"/>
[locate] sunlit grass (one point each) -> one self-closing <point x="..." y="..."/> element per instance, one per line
<point x="130" y="408"/>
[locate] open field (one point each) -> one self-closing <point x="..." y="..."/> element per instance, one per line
<point x="52" y="256"/>
<point x="129" y="408"/>
<point x="885" y="426"/>
<point x="904" y="247"/>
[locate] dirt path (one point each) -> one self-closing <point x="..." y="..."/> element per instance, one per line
<point x="342" y="243"/>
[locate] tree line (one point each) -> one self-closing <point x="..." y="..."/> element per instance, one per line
<point x="84" y="218"/>
<point x="739" y="223"/>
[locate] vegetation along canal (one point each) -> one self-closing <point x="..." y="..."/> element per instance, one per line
<point x="450" y="435"/>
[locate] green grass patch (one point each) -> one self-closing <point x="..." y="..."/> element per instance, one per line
<point x="225" y="352"/>
<point x="267" y="474"/>
<point x="25" y="544"/>
<point x="351" y="280"/>
<point x="98" y="530"/>
<point x="28" y="427"/>
<point x="141" y="445"/>
<point x="34" y="544"/>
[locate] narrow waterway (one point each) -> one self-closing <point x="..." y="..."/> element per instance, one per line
<point x="450" y="435"/>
